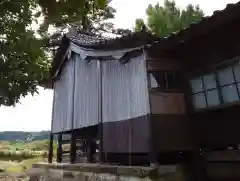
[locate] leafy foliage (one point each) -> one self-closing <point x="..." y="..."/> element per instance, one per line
<point x="162" y="20"/>
<point x="13" y="136"/>
<point x="25" y="53"/>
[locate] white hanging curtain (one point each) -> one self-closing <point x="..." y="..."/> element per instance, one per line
<point x="125" y="90"/>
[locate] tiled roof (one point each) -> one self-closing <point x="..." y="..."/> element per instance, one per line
<point x="207" y="22"/>
<point x="84" y="39"/>
<point x="99" y="42"/>
<point x="219" y="18"/>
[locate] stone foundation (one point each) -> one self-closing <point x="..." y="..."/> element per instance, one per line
<point x="96" y="172"/>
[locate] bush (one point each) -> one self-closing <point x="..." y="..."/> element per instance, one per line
<point x="16" y="155"/>
<point x="2" y="170"/>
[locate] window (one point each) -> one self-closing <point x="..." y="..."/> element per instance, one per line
<point x="164" y="80"/>
<point x="153" y="81"/>
<point x="229" y="93"/>
<point x="208" y="89"/>
<point x="212" y="97"/>
<point x="225" y="76"/>
<point x="172" y="80"/>
<point x="197" y="85"/>
<point x="209" y="81"/>
<point x="236" y="70"/>
<point x="158" y="79"/>
<point x="199" y="100"/>
<point x="205" y="93"/>
<point x="227" y="81"/>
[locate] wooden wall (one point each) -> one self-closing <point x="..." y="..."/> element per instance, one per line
<point x="167" y="103"/>
<point x="63" y="99"/>
<point x="125" y="106"/>
<point x="163" y="64"/>
<point x="218" y="128"/>
<point x="171" y="128"/>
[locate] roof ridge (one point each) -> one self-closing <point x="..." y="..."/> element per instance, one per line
<point x="77" y="35"/>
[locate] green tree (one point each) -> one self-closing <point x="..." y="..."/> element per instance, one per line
<point x="25" y="39"/>
<point x="162" y="20"/>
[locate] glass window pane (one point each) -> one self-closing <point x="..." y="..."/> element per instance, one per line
<point x="197" y="85"/>
<point x="225" y="76"/>
<point x="153" y="81"/>
<point x="238" y="85"/>
<point x="236" y="69"/>
<point x="199" y="100"/>
<point x="174" y="79"/>
<point x="171" y="80"/>
<point x="229" y="93"/>
<point x="160" y="78"/>
<point x="212" y="98"/>
<point x="209" y="81"/>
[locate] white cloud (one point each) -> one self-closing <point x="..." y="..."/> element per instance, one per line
<point x="32" y="114"/>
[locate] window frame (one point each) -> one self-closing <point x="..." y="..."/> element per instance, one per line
<point x="166" y="73"/>
<point x="204" y="90"/>
<point x="236" y="84"/>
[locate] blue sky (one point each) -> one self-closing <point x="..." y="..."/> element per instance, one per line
<point x="34" y="112"/>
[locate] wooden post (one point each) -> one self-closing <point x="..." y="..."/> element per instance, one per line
<point x="200" y="166"/>
<point x="59" y="149"/>
<point x="152" y="157"/>
<point x="196" y="169"/>
<point x="73" y="147"/>
<point x="100" y="127"/>
<point x="89" y="150"/>
<point x="50" y="149"/>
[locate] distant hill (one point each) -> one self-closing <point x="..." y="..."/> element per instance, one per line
<point x="22" y="136"/>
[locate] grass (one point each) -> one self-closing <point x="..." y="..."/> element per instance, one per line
<point x="17" y="157"/>
<point x="19" y="167"/>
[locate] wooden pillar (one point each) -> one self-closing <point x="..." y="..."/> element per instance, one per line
<point x="91" y="150"/>
<point x="100" y="125"/>
<point x="199" y="167"/>
<point x="50" y="149"/>
<point x="59" y="148"/>
<point x="152" y="157"/>
<point x="196" y="167"/>
<point x="73" y="147"/>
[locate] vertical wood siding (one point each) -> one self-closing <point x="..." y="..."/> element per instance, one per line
<point x="86" y="94"/>
<point x="125" y="90"/>
<point x="63" y="88"/>
<point x="167" y="103"/>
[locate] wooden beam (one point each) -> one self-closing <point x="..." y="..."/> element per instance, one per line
<point x="73" y="147"/>
<point x="91" y="150"/>
<point x="152" y="157"/>
<point x="50" y="149"/>
<point x="59" y="149"/>
<point x="194" y="166"/>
